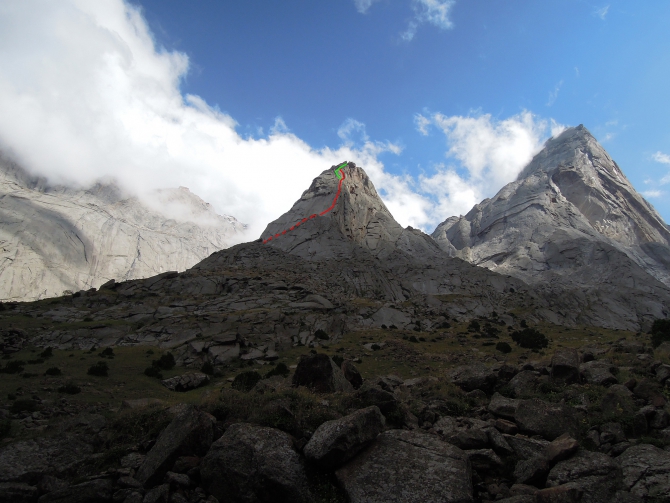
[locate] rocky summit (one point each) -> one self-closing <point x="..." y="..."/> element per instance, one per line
<point x="348" y="359"/>
<point x="56" y="238"/>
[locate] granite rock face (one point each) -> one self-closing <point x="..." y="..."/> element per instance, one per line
<point x="56" y="238"/>
<point x="572" y="222"/>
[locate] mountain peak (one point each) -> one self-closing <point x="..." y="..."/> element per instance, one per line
<point x="335" y="215"/>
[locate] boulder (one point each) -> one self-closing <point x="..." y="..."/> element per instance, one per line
<point x="662" y="373"/>
<point x="319" y="373"/>
<point x="565" y="365"/>
<point x="351" y="374"/>
<point x="17" y="492"/>
<point x="337" y="441"/>
<point x="475" y="376"/>
<point x="93" y="491"/>
<point x="526" y="448"/>
<point x="612" y="433"/>
<point x="483" y="460"/>
<point x="504" y="426"/>
<point x="617" y="401"/>
<point x="561" y="448"/>
<point x="548" y="420"/>
<point x="374" y="395"/>
<point x="463" y="432"/>
<point x="646" y="472"/>
<point x="254" y="464"/>
<point x="597" y="475"/>
<point x="408" y="467"/>
<point x="504" y="407"/>
<point x="532" y="471"/>
<point x="29" y="460"/>
<point x="524" y="383"/>
<point x="189" y="434"/>
<point x="186" y="382"/>
<point x="559" y="494"/>
<point x="597" y="372"/>
<point x="158" y="494"/>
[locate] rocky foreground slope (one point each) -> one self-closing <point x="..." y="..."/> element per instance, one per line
<point x="58" y="238"/>
<point x="571" y="222"/>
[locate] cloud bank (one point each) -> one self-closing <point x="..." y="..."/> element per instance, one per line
<point x="86" y="94"/>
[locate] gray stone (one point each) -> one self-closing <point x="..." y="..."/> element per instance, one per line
<point x="158" y="494"/>
<point x="337" y="441"/>
<point x="463" y="432"/>
<point x="597" y="475"/>
<point x="524" y="383"/>
<point x="254" y="464"/>
<point x="319" y="373"/>
<point x="374" y="395"/>
<point x="532" y="471"/>
<point x="186" y="382"/>
<point x="561" y="448"/>
<point x="546" y="419"/>
<point x="662" y="373"/>
<point x="474" y="376"/>
<point x="94" y="491"/>
<point x="189" y="433"/>
<point x="351" y="374"/>
<point x="28" y="460"/>
<point x="483" y="460"/>
<point x="597" y="372"/>
<point x="526" y="448"/>
<point x="565" y="365"/>
<point x="612" y="433"/>
<point x="503" y="407"/>
<point x="560" y="494"/>
<point x="646" y="472"/>
<point x="408" y="467"/>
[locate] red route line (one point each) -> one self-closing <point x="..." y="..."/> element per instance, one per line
<point x="298" y="224"/>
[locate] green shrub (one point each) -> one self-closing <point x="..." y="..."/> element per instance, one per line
<point x="503" y="347"/>
<point x="153" y="371"/>
<point x="320" y="334"/>
<point x="375" y="347"/>
<point x="53" y="371"/>
<point x="107" y="353"/>
<point x="660" y="332"/>
<point x="524" y="324"/>
<point x="246" y="380"/>
<point x="99" y="369"/>
<point x="165" y="362"/>
<point x="47" y="353"/>
<point x="530" y="338"/>
<point x="207" y="368"/>
<point x="27" y="375"/>
<point x="339" y="360"/>
<point x="474" y="326"/>
<point x="70" y="389"/>
<point x="38" y="361"/>
<point x="413" y="339"/>
<point x="280" y="370"/>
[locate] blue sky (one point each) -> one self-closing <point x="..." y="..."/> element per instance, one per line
<point x="406" y="86"/>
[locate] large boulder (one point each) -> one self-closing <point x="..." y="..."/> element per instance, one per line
<point x="526" y="448"/>
<point x="617" y="401"/>
<point x="597" y="372"/>
<point x="475" y="376"/>
<point x="504" y="407"/>
<point x="319" y="373"/>
<point x="524" y="383"/>
<point x="254" y="464"/>
<point x="29" y="460"/>
<point x="596" y="475"/>
<point x="371" y="394"/>
<point x="408" y="467"/>
<point x="186" y="382"/>
<point x="337" y="441"/>
<point x="463" y="432"/>
<point x="93" y="491"/>
<point x="646" y="472"/>
<point x="189" y="434"/>
<point x="565" y="365"/>
<point x="351" y="374"/>
<point x="548" y="420"/>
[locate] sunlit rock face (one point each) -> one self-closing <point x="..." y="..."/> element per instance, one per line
<point x="359" y="219"/>
<point x="571" y="219"/>
<point x="62" y="238"/>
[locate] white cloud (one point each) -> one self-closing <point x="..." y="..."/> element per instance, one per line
<point x="661" y="157"/>
<point x="85" y="94"/>
<point x="422" y="124"/>
<point x="554" y="94"/>
<point x="652" y="193"/>
<point x="362" y="6"/>
<point x="435" y="12"/>
<point x="602" y="12"/>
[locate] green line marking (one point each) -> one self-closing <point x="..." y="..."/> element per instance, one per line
<point x="337" y="170"/>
